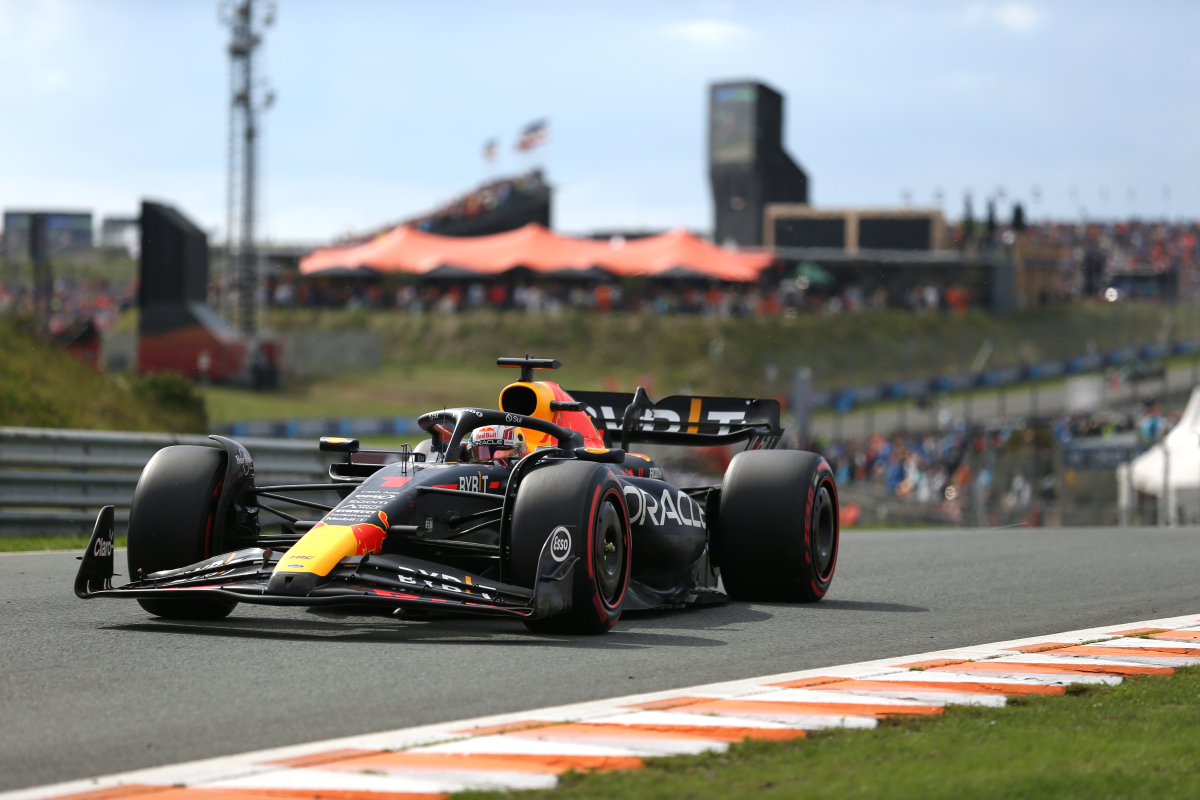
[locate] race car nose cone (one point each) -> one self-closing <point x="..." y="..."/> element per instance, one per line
<point x="299" y="584"/>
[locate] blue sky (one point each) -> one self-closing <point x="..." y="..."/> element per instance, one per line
<point x="383" y="107"/>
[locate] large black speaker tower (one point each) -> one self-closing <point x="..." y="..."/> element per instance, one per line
<point x="747" y="163"/>
<point x="177" y="330"/>
<point x="174" y="268"/>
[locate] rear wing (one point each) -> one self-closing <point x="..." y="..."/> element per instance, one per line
<point x="682" y="419"/>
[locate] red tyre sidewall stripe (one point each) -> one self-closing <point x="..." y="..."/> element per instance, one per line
<point x="808" y="509"/>
<point x="837" y="519"/>
<point x="625" y="534"/>
<point x="591" y="528"/>
<point x="821" y="477"/>
<point x="211" y="518"/>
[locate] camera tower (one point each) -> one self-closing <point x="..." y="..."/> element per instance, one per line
<point x="247" y="100"/>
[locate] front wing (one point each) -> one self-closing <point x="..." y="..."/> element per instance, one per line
<point x="398" y="583"/>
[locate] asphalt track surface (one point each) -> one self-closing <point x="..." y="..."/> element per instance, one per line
<point x="96" y="687"/>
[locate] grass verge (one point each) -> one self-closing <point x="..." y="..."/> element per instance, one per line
<point x="431" y="360"/>
<point x="391" y="391"/>
<point x="757" y="355"/>
<point x="42" y="386"/>
<point x="1139" y="739"/>
<point x="37" y="544"/>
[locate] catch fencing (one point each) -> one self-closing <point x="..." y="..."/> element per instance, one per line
<point x="55" y="481"/>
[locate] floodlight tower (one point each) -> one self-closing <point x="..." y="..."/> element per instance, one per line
<point x="246" y="102"/>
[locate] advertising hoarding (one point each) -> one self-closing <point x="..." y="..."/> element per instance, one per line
<point x="731" y="138"/>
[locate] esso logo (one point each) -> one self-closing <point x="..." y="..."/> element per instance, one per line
<point x="560" y="543"/>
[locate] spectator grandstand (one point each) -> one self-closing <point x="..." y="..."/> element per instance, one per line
<point x="1152" y="259"/>
<point x="1009" y="474"/>
<point x="501" y="205"/>
<point x="989" y="265"/>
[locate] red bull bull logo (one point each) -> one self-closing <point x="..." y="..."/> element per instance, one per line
<point x="370" y="536"/>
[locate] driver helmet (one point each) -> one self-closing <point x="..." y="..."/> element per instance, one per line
<point x="493" y="442"/>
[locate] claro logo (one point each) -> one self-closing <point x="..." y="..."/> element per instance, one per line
<point x="104" y="547"/>
<point x="560" y="543"/>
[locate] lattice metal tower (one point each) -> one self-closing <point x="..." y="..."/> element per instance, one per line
<point x="247" y="100"/>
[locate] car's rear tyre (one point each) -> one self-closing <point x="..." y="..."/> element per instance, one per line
<point x="586" y="499"/>
<point x="171" y="523"/>
<point x="777" y="534"/>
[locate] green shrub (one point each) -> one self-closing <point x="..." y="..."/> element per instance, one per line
<point x="172" y="394"/>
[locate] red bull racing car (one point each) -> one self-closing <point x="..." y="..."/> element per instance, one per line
<point x="538" y="510"/>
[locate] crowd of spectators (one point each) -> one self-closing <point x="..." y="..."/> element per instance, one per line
<point x="995" y="475"/>
<point x="787" y="298"/>
<point x="550" y="297"/>
<point x="72" y="303"/>
<point x="1094" y="255"/>
<point x="1153" y="259"/>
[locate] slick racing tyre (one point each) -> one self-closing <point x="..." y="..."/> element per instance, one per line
<point x="171" y="523"/>
<point x="777" y="532"/>
<point x="581" y="502"/>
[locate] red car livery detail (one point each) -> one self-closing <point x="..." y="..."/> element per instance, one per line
<point x="370" y="536"/>
<point x="575" y="420"/>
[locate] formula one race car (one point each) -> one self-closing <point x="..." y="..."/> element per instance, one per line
<point x="527" y="511"/>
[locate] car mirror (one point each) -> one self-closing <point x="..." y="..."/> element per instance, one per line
<point x="336" y="444"/>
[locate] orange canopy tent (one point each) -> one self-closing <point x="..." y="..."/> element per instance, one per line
<point x="533" y="247"/>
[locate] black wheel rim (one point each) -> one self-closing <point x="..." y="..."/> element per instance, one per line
<point x="824" y="532"/>
<point x="608" y="555"/>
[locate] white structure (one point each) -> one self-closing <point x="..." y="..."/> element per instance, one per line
<point x="1170" y="471"/>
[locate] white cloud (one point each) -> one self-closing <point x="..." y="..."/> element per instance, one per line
<point x="1018" y="17"/>
<point x="709" y="32"/>
<point x="1014" y="16"/>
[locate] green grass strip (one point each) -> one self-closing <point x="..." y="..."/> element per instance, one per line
<point x="1137" y="740"/>
<point x="37" y="544"/>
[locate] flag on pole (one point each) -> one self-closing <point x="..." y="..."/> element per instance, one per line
<point x="491" y="149"/>
<point x="532" y="135"/>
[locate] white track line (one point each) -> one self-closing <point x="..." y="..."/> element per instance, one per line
<point x="527" y="750"/>
<point x="52" y="552"/>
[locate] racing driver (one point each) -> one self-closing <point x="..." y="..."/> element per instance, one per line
<point x="495" y="443"/>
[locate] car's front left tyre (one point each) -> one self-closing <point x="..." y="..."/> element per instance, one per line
<point x="778" y="534"/>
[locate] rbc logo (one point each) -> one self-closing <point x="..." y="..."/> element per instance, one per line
<point x="560" y="543"/>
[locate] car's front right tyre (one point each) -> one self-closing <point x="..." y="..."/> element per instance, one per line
<point x="171" y="523"/>
<point x="584" y="499"/>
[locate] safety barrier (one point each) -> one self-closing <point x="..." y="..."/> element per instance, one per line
<point x="55" y="481"/>
<point x="316" y="428"/>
